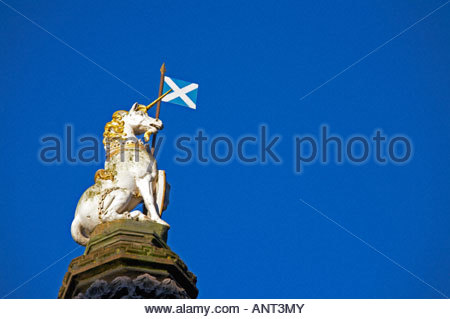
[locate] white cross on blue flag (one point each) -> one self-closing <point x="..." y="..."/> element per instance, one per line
<point x="183" y="93"/>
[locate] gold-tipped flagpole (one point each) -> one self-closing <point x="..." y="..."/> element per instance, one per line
<point x="158" y="105"/>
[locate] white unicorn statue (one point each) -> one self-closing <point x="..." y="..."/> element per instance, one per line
<point x="129" y="178"/>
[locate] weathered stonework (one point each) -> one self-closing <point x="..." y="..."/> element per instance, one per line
<point x="143" y="287"/>
<point x="117" y="256"/>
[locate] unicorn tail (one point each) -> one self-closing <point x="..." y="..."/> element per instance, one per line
<point x="77" y="234"/>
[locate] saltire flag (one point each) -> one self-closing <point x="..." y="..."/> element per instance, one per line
<point x="183" y="93"/>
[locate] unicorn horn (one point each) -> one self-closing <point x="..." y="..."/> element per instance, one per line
<point x="157" y="100"/>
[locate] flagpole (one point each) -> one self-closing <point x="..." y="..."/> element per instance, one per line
<point x="158" y="106"/>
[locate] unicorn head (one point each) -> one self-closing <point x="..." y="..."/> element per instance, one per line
<point x="126" y="125"/>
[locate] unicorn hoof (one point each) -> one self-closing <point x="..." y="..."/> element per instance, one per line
<point x="138" y="215"/>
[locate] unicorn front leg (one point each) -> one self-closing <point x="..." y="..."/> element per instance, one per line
<point x="144" y="186"/>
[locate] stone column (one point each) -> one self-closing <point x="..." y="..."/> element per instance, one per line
<point x="128" y="259"/>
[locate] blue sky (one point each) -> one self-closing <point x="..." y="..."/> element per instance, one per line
<point x="241" y="228"/>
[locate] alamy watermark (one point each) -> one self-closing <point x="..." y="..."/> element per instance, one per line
<point x="251" y="149"/>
